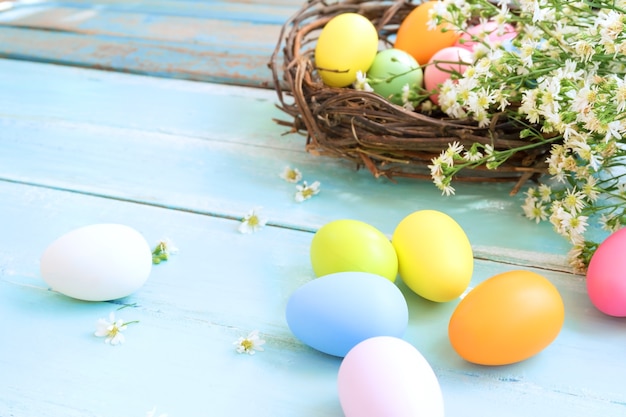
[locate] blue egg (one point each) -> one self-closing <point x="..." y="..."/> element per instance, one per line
<point x="335" y="312"/>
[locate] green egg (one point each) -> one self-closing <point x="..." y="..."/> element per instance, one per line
<point x="391" y="70"/>
<point x="347" y="245"/>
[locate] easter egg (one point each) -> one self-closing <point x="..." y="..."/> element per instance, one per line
<point x="489" y="32"/>
<point x="448" y="61"/>
<point x="415" y="37"/>
<point x="351" y="245"/>
<point x="335" y="312"/>
<point x="506" y="319"/>
<point x="435" y="257"/>
<point x="99" y="262"/>
<point x="394" y="69"/>
<point x="606" y="275"/>
<point x="387" y="376"/>
<point x="347" y="44"/>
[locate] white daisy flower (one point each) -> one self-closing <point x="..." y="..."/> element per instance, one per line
<point x="249" y="344"/>
<point x="111" y="329"/>
<point x="253" y="221"/>
<point x="305" y="191"/>
<point x="291" y="174"/>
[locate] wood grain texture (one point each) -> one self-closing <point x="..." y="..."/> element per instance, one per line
<point x="190" y="146"/>
<point x="187" y="160"/>
<point x="180" y="356"/>
<point x="226" y="42"/>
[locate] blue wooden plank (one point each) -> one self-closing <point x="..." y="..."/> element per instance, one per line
<point x="188" y="61"/>
<point x="229" y="156"/>
<point x="180" y="357"/>
<point x="217" y="42"/>
<point x="52" y="12"/>
<point x="155" y="58"/>
<point x="186" y="160"/>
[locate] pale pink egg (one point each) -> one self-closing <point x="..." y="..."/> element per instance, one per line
<point x="489" y="31"/>
<point x="387" y="376"/>
<point x="442" y="65"/>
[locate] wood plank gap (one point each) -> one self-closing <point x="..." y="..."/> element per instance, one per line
<point x="518" y="258"/>
<point x="153" y="204"/>
<point x="37" y="28"/>
<point x="547" y="262"/>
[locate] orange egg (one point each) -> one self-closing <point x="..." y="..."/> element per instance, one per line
<point x="506" y="319"/>
<point x="415" y="37"/>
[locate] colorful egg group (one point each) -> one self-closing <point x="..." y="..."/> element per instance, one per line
<point x="606" y="275"/>
<point x="387" y="376"/>
<point x="435" y="257"/>
<point x="506" y="319"/>
<point x="334" y="313"/>
<point x="421" y="56"/>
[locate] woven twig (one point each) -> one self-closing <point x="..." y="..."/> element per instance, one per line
<point x="366" y="128"/>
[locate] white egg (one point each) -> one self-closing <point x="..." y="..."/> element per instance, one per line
<point x="99" y="262"/>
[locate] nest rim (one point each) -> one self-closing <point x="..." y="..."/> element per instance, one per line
<point x="366" y="128"/>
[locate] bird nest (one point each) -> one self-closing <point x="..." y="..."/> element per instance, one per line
<point x="369" y="130"/>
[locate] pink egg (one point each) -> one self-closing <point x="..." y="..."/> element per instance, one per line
<point x="387" y="376"/>
<point x="488" y="31"/>
<point x="606" y="275"/>
<point x="442" y="65"/>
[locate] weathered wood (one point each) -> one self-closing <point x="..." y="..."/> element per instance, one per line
<point x="223" y="284"/>
<point x="215" y="150"/>
<point x="222" y="42"/>
<point x="186" y="160"/>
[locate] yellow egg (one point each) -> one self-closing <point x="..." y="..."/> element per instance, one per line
<point x="435" y="257"/>
<point x="352" y="246"/>
<point x="348" y="43"/>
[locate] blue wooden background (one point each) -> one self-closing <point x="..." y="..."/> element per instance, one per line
<point x="144" y="113"/>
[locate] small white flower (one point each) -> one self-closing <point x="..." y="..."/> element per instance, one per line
<point x="446" y="189"/>
<point x="249" y="344"/>
<point x="253" y="221"/>
<point x="454" y="149"/>
<point x="445" y="159"/>
<point x="305" y="191"/>
<point x="436" y="170"/>
<point x="613" y="130"/>
<point x="362" y="83"/>
<point x="535" y="210"/>
<point x="291" y="174"/>
<point x="573" y="226"/>
<point x="111" y="329"/>
<point x="574" y="258"/>
<point x="406" y="98"/>
<point x="610" y="223"/>
<point x="584" y="50"/>
<point x="573" y="201"/>
<point x="545" y="193"/>
<point x="472" y="155"/>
